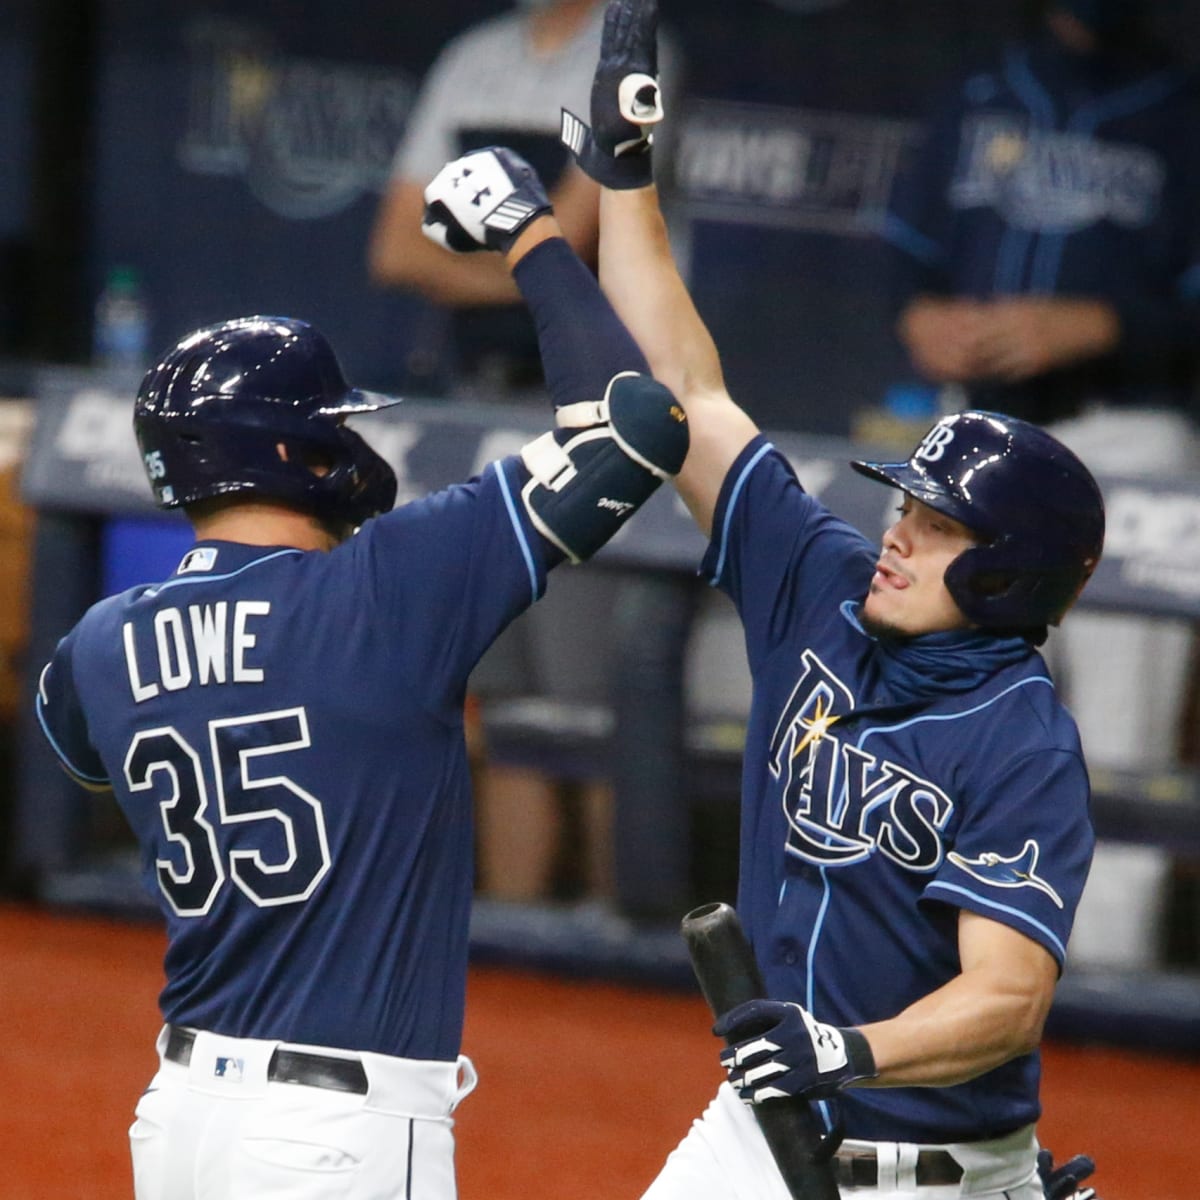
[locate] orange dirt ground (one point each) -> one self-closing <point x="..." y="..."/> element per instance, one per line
<point x="584" y="1087"/>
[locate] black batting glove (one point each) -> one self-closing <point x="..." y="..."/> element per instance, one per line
<point x="626" y="100"/>
<point x="777" y="1049"/>
<point x="1062" y="1183"/>
<point x="482" y="201"/>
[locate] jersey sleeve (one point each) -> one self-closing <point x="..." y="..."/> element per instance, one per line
<point x="60" y="714"/>
<point x="452" y="569"/>
<point x="782" y="557"/>
<point x="1022" y="854"/>
<point x="917" y="224"/>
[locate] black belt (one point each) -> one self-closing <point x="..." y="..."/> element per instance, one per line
<point x="860" y="1168"/>
<point x="285" y="1066"/>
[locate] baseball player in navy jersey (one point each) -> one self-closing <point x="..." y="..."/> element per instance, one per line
<point x="915" y="830"/>
<point x="1047" y="229"/>
<point x="1046" y="240"/>
<point x="281" y="722"/>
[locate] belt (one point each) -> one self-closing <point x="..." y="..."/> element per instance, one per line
<point x="286" y="1066"/>
<point x="860" y="1168"/>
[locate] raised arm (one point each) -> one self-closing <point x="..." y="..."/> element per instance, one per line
<point x="639" y="275"/>
<point x="637" y="269"/>
<point x="618" y="432"/>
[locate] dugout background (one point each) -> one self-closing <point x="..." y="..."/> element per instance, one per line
<point x="234" y="151"/>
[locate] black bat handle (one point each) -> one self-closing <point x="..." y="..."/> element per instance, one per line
<point x="728" y="975"/>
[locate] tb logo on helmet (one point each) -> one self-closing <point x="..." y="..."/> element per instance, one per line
<point x="934" y="443"/>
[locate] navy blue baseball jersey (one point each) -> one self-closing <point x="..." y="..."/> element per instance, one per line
<point x="886" y="787"/>
<point x="1058" y="174"/>
<point x="284" y="732"/>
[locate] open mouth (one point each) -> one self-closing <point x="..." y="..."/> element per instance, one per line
<point x="888" y="577"/>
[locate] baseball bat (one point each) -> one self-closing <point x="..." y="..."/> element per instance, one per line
<point x="728" y="975"/>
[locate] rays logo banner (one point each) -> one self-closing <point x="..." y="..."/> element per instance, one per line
<point x="1048" y="182"/>
<point x="309" y="138"/>
<point x="842" y="803"/>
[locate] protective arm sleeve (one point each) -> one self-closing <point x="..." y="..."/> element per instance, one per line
<point x="582" y="341"/>
<point x="619" y="435"/>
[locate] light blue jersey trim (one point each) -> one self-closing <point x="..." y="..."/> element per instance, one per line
<point x="178" y="582"/>
<point x="954" y="717"/>
<point x="72" y="769"/>
<point x="914" y="243"/>
<point x="736" y="492"/>
<point x="817" y="924"/>
<point x="810" y="983"/>
<point x="941" y="886"/>
<point x="968" y="712"/>
<point x="823" y="1106"/>
<point x="1015" y="243"/>
<point x="519" y="529"/>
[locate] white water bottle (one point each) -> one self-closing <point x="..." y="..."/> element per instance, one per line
<point x="121" y="330"/>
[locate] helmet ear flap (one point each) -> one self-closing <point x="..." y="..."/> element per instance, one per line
<point x="998" y="585"/>
<point x="361" y="482"/>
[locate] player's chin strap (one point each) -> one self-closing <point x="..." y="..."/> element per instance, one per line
<point x="602" y="463"/>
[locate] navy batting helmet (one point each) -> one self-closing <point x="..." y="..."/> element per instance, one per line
<point x="1034" y="506"/>
<point x="210" y="418"/>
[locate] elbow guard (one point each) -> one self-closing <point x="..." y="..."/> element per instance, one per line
<point x="602" y="463"/>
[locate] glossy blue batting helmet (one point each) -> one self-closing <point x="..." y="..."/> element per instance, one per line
<point x="1034" y="506"/>
<point x="211" y="415"/>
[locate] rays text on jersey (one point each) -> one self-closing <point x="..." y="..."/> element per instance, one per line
<point x="843" y="803"/>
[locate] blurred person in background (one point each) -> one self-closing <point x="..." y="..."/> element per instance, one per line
<point x="281" y="722"/>
<point x="500" y="81"/>
<point x="1047" y="250"/>
<point x="503" y="81"/>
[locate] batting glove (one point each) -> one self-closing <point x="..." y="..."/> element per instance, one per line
<point x="626" y="100"/>
<point x="777" y="1049"/>
<point x="482" y="201"/>
<point x="1062" y="1183"/>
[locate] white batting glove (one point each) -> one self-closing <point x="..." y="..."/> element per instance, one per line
<point x="482" y="201"/>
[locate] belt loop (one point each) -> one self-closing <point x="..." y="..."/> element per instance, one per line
<point x="467" y="1078"/>
<point x="886" y="1160"/>
<point x="906" y="1166"/>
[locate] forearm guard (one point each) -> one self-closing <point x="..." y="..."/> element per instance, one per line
<point x="602" y="463"/>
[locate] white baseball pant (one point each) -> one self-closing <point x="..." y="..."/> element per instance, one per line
<point x="725" y="1157"/>
<point x="218" y="1127"/>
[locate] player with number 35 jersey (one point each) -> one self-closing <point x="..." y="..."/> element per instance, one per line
<point x="282" y="722"/>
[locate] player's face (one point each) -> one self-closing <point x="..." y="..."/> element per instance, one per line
<point x="908" y="594"/>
